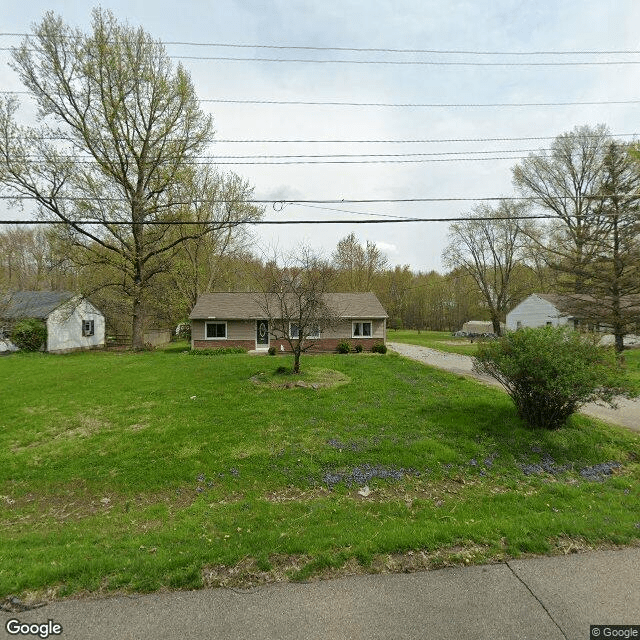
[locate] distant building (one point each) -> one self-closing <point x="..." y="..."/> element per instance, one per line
<point x="574" y="310"/>
<point x="480" y="327"/>
<point x="72" y="321"/>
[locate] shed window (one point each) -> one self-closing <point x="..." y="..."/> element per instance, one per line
<point x="216" y="330"/>
<point x="362" y="329"/>
<point x="87" y="327"/>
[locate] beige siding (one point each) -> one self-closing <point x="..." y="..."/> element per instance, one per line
<point x="241" y="329"/>
<point x="197" y="329"/>
<point x="236" y="329"/>
<point x="246" y="330"/>
<point x="344" y="330"/>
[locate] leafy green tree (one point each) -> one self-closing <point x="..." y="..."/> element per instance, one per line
<point x="550" y="372"/>
<point x="120" y="128"/>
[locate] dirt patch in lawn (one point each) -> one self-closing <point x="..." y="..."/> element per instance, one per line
<point x="75" y="504"/>
<point x="311" y="378"/>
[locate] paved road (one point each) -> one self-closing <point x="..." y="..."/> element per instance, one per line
<point x="554" y="598"/>
<point x="626" y="415"/>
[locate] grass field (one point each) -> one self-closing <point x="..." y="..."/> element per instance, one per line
<point x="137" y="472"/>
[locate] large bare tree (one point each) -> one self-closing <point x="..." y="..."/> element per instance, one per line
<point x="357" y="265"/>
<point x="119" y="129"/>
<point x="486" y="248"/>
<point x="565" y="183"/>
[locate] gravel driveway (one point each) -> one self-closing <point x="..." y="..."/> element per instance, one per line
<point x="626" y="415"/>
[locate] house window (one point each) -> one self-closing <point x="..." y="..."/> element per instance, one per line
<point x="87" y="327"/>
<point x="362" y="329"/>
<point x="215" y="331"/>
<point x="312" y="332"/>
<point x="549" y="323"/>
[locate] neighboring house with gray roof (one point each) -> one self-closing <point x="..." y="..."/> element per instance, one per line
<point x="238" y="319"/>
<point x="72" y="321"/>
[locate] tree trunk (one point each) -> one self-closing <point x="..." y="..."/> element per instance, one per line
<point x="296" y="360"/>
<point x="137" y="329"/>
<point x="495" y="321"/>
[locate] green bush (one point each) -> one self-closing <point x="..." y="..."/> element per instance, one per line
<point x="358" y="348"/>
<point x="344" y="347"/>
<point x="29" y="334"/>
<point x="550" y="372"/>
<point x="217" y="352"/>
<point x="379" y="347"/>
<point x="271" y="351"/>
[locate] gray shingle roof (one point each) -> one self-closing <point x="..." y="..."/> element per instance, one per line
<point x="32" y="304"/>
<point x="582" y="304"/>
<point x="235" y="306"/>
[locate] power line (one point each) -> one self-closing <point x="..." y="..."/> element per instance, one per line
<point x="380" y="49"/>
<point x="377" y="141"/>
<point x="272" y="222"/>
<point x="418" y="104"/>
<point x="380" y="141"/>
<point x="323" y="155"/>
<point x="272" y="163"/>
<point x="304" y="201"/>
<point x="398" y="104"/>
<point x="405" y="141"/>
<point x="428" y="63"/>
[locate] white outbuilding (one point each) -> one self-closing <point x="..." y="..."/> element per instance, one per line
<point x="72" y="322"/>
<point x="541" y="309"/>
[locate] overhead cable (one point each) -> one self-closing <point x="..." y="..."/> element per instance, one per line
<point x="397" y="104"/>
<point x="381" y="49"/>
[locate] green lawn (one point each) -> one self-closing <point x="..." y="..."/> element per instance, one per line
<point x="122" y="471"/>
<point x="632" y="362"/>
<point x="441" y="340"/>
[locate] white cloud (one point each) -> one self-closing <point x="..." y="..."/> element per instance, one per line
<point x="387" y="247"/>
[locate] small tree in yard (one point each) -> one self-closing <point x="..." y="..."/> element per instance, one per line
<point x="550" y="372"/>
<point x="294" y="299"/>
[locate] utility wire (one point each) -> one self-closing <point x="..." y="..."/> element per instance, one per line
<point x="380" y="141"/>
<point x="380" y="49"/>
<point x="340" y="201"/>
<point x="418" y="104"/>
<point x="396" y="104"/>
<point x="284" y="222"/>
<point x="406" y="141"/>
<point x="429" y="63"/>
<point x="322" y="155"/>
<point x="271" y="222"/>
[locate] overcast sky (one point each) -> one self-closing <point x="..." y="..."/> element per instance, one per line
<point x="507" y="26"/>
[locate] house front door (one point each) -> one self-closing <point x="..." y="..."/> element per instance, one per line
<point x="262" y="334"/>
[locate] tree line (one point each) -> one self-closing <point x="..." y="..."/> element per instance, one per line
<point x="146" y="229"/>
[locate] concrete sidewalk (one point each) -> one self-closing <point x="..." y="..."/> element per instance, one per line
<point x="540" y="598"/>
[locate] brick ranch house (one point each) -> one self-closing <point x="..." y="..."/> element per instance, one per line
<point x="238" y="320"/>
